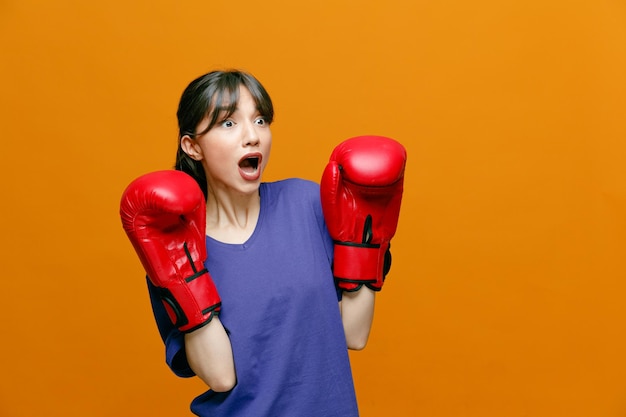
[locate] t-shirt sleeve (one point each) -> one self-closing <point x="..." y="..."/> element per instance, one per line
<point x="328" y="241"/>
<point x="174" y="340"/>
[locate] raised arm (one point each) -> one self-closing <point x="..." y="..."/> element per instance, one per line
<point x="361" y="193"/>
<point x="164" y="216"/>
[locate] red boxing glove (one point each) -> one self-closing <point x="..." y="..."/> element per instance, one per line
<point x="164" y="216"/>
<point x="361" y="192"/>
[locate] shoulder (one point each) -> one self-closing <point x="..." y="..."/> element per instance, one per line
<point x="297" y="194"/>
<point x="293" y="187"/>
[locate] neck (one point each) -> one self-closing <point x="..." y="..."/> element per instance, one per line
<point x="232" y="218"/>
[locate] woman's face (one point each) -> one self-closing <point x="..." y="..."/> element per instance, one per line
<point x="235" y="151"/>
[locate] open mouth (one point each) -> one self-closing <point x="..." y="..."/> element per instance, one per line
<point x="250" y="163"/>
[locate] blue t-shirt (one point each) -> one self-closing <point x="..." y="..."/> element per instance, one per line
<point x="280" y="309"/>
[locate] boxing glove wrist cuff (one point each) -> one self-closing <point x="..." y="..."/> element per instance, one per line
<point x="357" y="263"/>
<point x="193" y="304"/>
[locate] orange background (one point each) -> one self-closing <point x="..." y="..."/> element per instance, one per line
<point x="506" y="297"/>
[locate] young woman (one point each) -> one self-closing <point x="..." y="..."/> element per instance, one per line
<point x="277" y="345"/>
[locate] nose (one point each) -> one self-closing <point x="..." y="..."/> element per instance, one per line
<point x="251" y="135"/>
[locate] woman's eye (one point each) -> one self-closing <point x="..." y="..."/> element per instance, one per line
<point x="260" y="121"/>
<point x="228" y="123"/>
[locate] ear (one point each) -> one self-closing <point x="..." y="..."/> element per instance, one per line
<point x="191" y="147"/>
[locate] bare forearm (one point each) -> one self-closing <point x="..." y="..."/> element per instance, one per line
<point x="210" y="356"/>
<point x="357" y="314"/>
